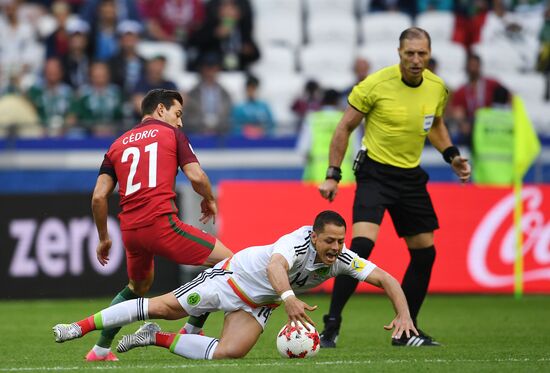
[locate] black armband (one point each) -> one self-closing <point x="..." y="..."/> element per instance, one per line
<point x="450" y="153"/>
<point x="334" y="173"/>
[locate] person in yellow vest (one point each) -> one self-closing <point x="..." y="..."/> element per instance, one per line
<point x="493" y="141"/>
<point x="402" y="105"/>
<point x="314" y="141"/>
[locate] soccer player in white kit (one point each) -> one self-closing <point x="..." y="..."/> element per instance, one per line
<point x="247" y="287"/>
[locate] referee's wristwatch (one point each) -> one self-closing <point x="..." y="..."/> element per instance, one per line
<point x="450" y="153"/>
<point x="334" y="173"/>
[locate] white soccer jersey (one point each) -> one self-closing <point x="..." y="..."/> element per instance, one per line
<point x="249" y="266"/>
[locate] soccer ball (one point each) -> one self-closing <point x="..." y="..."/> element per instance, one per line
<point x="292" y="344"/>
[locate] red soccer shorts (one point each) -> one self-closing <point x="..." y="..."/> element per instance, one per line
<point x="168" y="237"/>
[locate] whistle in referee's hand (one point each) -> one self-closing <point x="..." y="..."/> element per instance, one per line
<point x="330" y="196"/>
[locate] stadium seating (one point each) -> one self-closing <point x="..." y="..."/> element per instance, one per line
<point x="384" y="27"/>
<point x="439" y="24"/>
<point x="278" y="21"/>
<point x="174" y="54"/>
<point x="328" y="63"/>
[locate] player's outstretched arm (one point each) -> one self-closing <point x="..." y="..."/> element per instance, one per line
<point x="277" y="273"/>
<point x="402" y="323"/>
<point x="100" y="205"/>
<point x="201" y="185"/>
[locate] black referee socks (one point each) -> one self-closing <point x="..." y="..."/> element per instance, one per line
<point x="417" y="278"/>
<point x="344" y="286"/>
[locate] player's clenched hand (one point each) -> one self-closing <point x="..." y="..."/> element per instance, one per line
<point x="102" y="251"/>
<point x="461" y="167"/>
<point x="400" y="325"/>
<point x="296" y="311"/>
<point x="328" y="189"/>
<point x="208" y="210"/>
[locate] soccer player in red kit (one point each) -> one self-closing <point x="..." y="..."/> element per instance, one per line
<point x="144" y="161"/>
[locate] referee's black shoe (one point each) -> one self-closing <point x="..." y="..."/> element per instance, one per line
<point x="329" y="335"/>
<point x="420" y="340"/>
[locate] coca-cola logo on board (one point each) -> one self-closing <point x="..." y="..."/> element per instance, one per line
<point x="536" y="242"/>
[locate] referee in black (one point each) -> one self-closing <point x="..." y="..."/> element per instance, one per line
<point x="402" y="105"/>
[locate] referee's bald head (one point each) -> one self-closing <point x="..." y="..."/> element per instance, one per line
<point x="415" y="33"/>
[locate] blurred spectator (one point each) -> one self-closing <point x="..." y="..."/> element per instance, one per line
<point x="252" y="118"/>
<point x="469" y="19"/>
<point x="405" y="6"/>
<point x="438" y="5"/>
<point x="99" y="108"/>
<point x="18" y="119"/>
<point x="361" y="68"/>
<point x="124" y="9"/>
<point x="432" y="65"/>
<point x="493" y="141"/>
<point x="476" y="93"/>
<point x="52" y="98"/>
<point x="510" y="30"/>
<point x="104" y="43"/>
<point x="153" y="79"/>
<point x="314" y="140"/>
<point x="173" y="20"/>
<point x="309" y="101"/>
<point x="57" y="43"/>
<point x="127" y="66"/>
<point x="76" y="63"/>
<point x="208" y="105"/>
<point x="543" y="62"/>
<point x="18" y="47"/>
<point x="227" y="30"/>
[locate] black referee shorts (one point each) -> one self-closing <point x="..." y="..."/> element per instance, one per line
<point x="402" y="191"/>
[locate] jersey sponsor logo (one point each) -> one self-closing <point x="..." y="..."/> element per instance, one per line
<point x="193" y="299"/>
<point x="140" y="135"/>
<point x="358" y="264"/>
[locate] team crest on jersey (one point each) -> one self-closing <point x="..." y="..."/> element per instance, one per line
<point x="358" y="264"/>
<point x="321" y="272"/>
<point x="193" y="299"/>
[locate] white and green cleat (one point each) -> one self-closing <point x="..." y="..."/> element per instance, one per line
<point x="66" y="332"/>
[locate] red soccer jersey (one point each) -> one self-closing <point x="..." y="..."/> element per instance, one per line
<point x="145" y="161"/>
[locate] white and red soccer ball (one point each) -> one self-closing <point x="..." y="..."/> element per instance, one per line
<point x="298" y="345"/>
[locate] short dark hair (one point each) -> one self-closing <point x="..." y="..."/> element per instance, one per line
<point x="251" y="80"/>
<point x="501" y="95"/>
<point x="159" y="96"/>
<point x="328" y="217"/>
<point x="331" y="97"/>
<point x="415" y="33"/>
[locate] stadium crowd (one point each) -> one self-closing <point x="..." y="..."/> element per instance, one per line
<point x="80" y="68"/>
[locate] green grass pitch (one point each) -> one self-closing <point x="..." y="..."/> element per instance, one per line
<point x="479" y="334"/>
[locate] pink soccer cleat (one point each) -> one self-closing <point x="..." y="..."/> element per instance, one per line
<point x="92" y="356"/>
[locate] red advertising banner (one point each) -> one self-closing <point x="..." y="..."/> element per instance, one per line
<point x="475" y="244"/>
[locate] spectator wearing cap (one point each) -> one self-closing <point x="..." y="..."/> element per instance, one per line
<point x="153" y="79"/>
<point x="208" y="104"/>
<point x="57" y="43"/>
<point x="252" y="118"/>
<point x="127" y="67"/>
<point x="173" y="20"/>
<point x="76" y="63"/>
